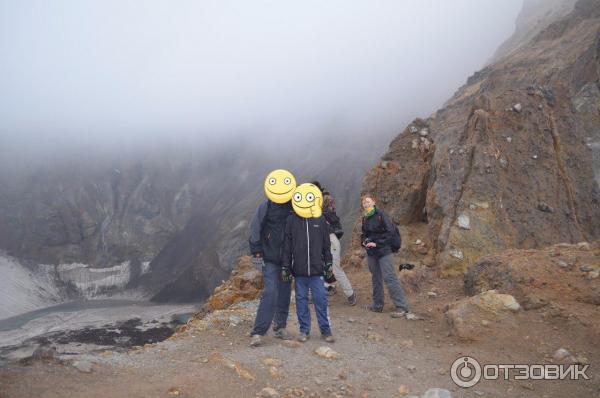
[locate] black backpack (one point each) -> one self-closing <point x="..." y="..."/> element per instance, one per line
<point x="396" y="242"/>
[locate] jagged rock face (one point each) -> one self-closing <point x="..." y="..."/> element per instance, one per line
<point x="514" y="159"/>
<point x="95" y="214"/>
<point x="400" y="181"/>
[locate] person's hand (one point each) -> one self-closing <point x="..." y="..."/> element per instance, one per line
<point x="315" y="211"/>
<point x="371" y="245"/>
<point x="258" y="261"/>
<point x="286" y="275"/>
<point x="328" y="271"/>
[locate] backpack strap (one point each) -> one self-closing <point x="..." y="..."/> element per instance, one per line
<point x="262" y="222"/>
<point x="381" y="220"/>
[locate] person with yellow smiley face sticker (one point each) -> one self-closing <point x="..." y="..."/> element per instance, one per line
<point x="279" y="186"/>
<point x="266" y="241"/>
<point x="307" y="256"/>
<point x="307" y="201"/>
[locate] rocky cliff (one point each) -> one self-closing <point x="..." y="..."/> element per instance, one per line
<point x="512" y="159"/>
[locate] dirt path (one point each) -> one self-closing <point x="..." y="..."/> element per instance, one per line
<point x="378" y="355"/>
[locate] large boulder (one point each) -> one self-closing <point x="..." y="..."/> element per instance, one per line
<point x="481" y="316"/>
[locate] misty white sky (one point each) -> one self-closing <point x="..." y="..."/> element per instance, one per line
<point x="114" y="69"/>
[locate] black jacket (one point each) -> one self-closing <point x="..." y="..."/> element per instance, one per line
<point x="306" y="247"/>
<point x="379" y="229"/>
<point x="267" y="229"/>
<point x="333" y="221"/>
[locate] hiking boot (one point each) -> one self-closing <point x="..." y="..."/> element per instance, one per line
<point x="256" y="340"/>
<point x="352" y="299"/>
<point x="374" y="308"/>
<point x="282" y="334"/>
<point x="328" y="338"/>
<point x="331" y="290"/>
<point x="302" y="337"/>
<point x="398" y="313"/>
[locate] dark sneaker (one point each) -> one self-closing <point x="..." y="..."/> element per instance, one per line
<point x="256" y="340"/>
<point x="374" y="308"/>
<point x="302" y="337"/>
<point x="282" y="334"/>
<point x="352" y="299"/>
<point x="328" y="338"/>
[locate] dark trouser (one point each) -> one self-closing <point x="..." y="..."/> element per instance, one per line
<point x="382" y="270"/>
<point x="319" y="297"/>
<point x="275" y="301"/>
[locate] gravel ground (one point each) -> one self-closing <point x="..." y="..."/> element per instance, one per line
<point x="378" y="357"/>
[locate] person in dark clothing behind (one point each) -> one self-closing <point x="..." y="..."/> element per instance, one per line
<point x="307" y="256"/>
<point x="376" y="237"/>
<point x="266" y="241"/>
<point x="335" y="234"/>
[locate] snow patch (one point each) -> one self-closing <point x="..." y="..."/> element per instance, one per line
<point x="90" y="282"/>
<point x="23" y="290"/>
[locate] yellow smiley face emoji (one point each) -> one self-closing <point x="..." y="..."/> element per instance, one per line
<point x="279" y="186"/>
<point x="308" y="201"/>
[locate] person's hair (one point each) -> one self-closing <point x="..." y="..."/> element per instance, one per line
<point x="368" y="195"/>
<point x="318" y="185"/>
<point x="328" y="200"/>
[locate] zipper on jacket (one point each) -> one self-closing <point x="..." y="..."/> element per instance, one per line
<point x="308" y="246"/>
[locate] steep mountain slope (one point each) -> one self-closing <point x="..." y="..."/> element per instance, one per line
<point x="512" y="158"/>
<point x="534" y="17"/>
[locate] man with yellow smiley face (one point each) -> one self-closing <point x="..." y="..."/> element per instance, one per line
<point x="266" y="243"/>
<point x="279" y="186"/>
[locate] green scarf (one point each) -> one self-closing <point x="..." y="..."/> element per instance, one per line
<point x="369" y="212"/>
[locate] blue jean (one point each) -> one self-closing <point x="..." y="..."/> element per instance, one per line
<point x="274" y="302"/>
<point x="316" y="285"/>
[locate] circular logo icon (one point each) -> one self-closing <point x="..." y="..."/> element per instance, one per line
<point x="465" y="372"/>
